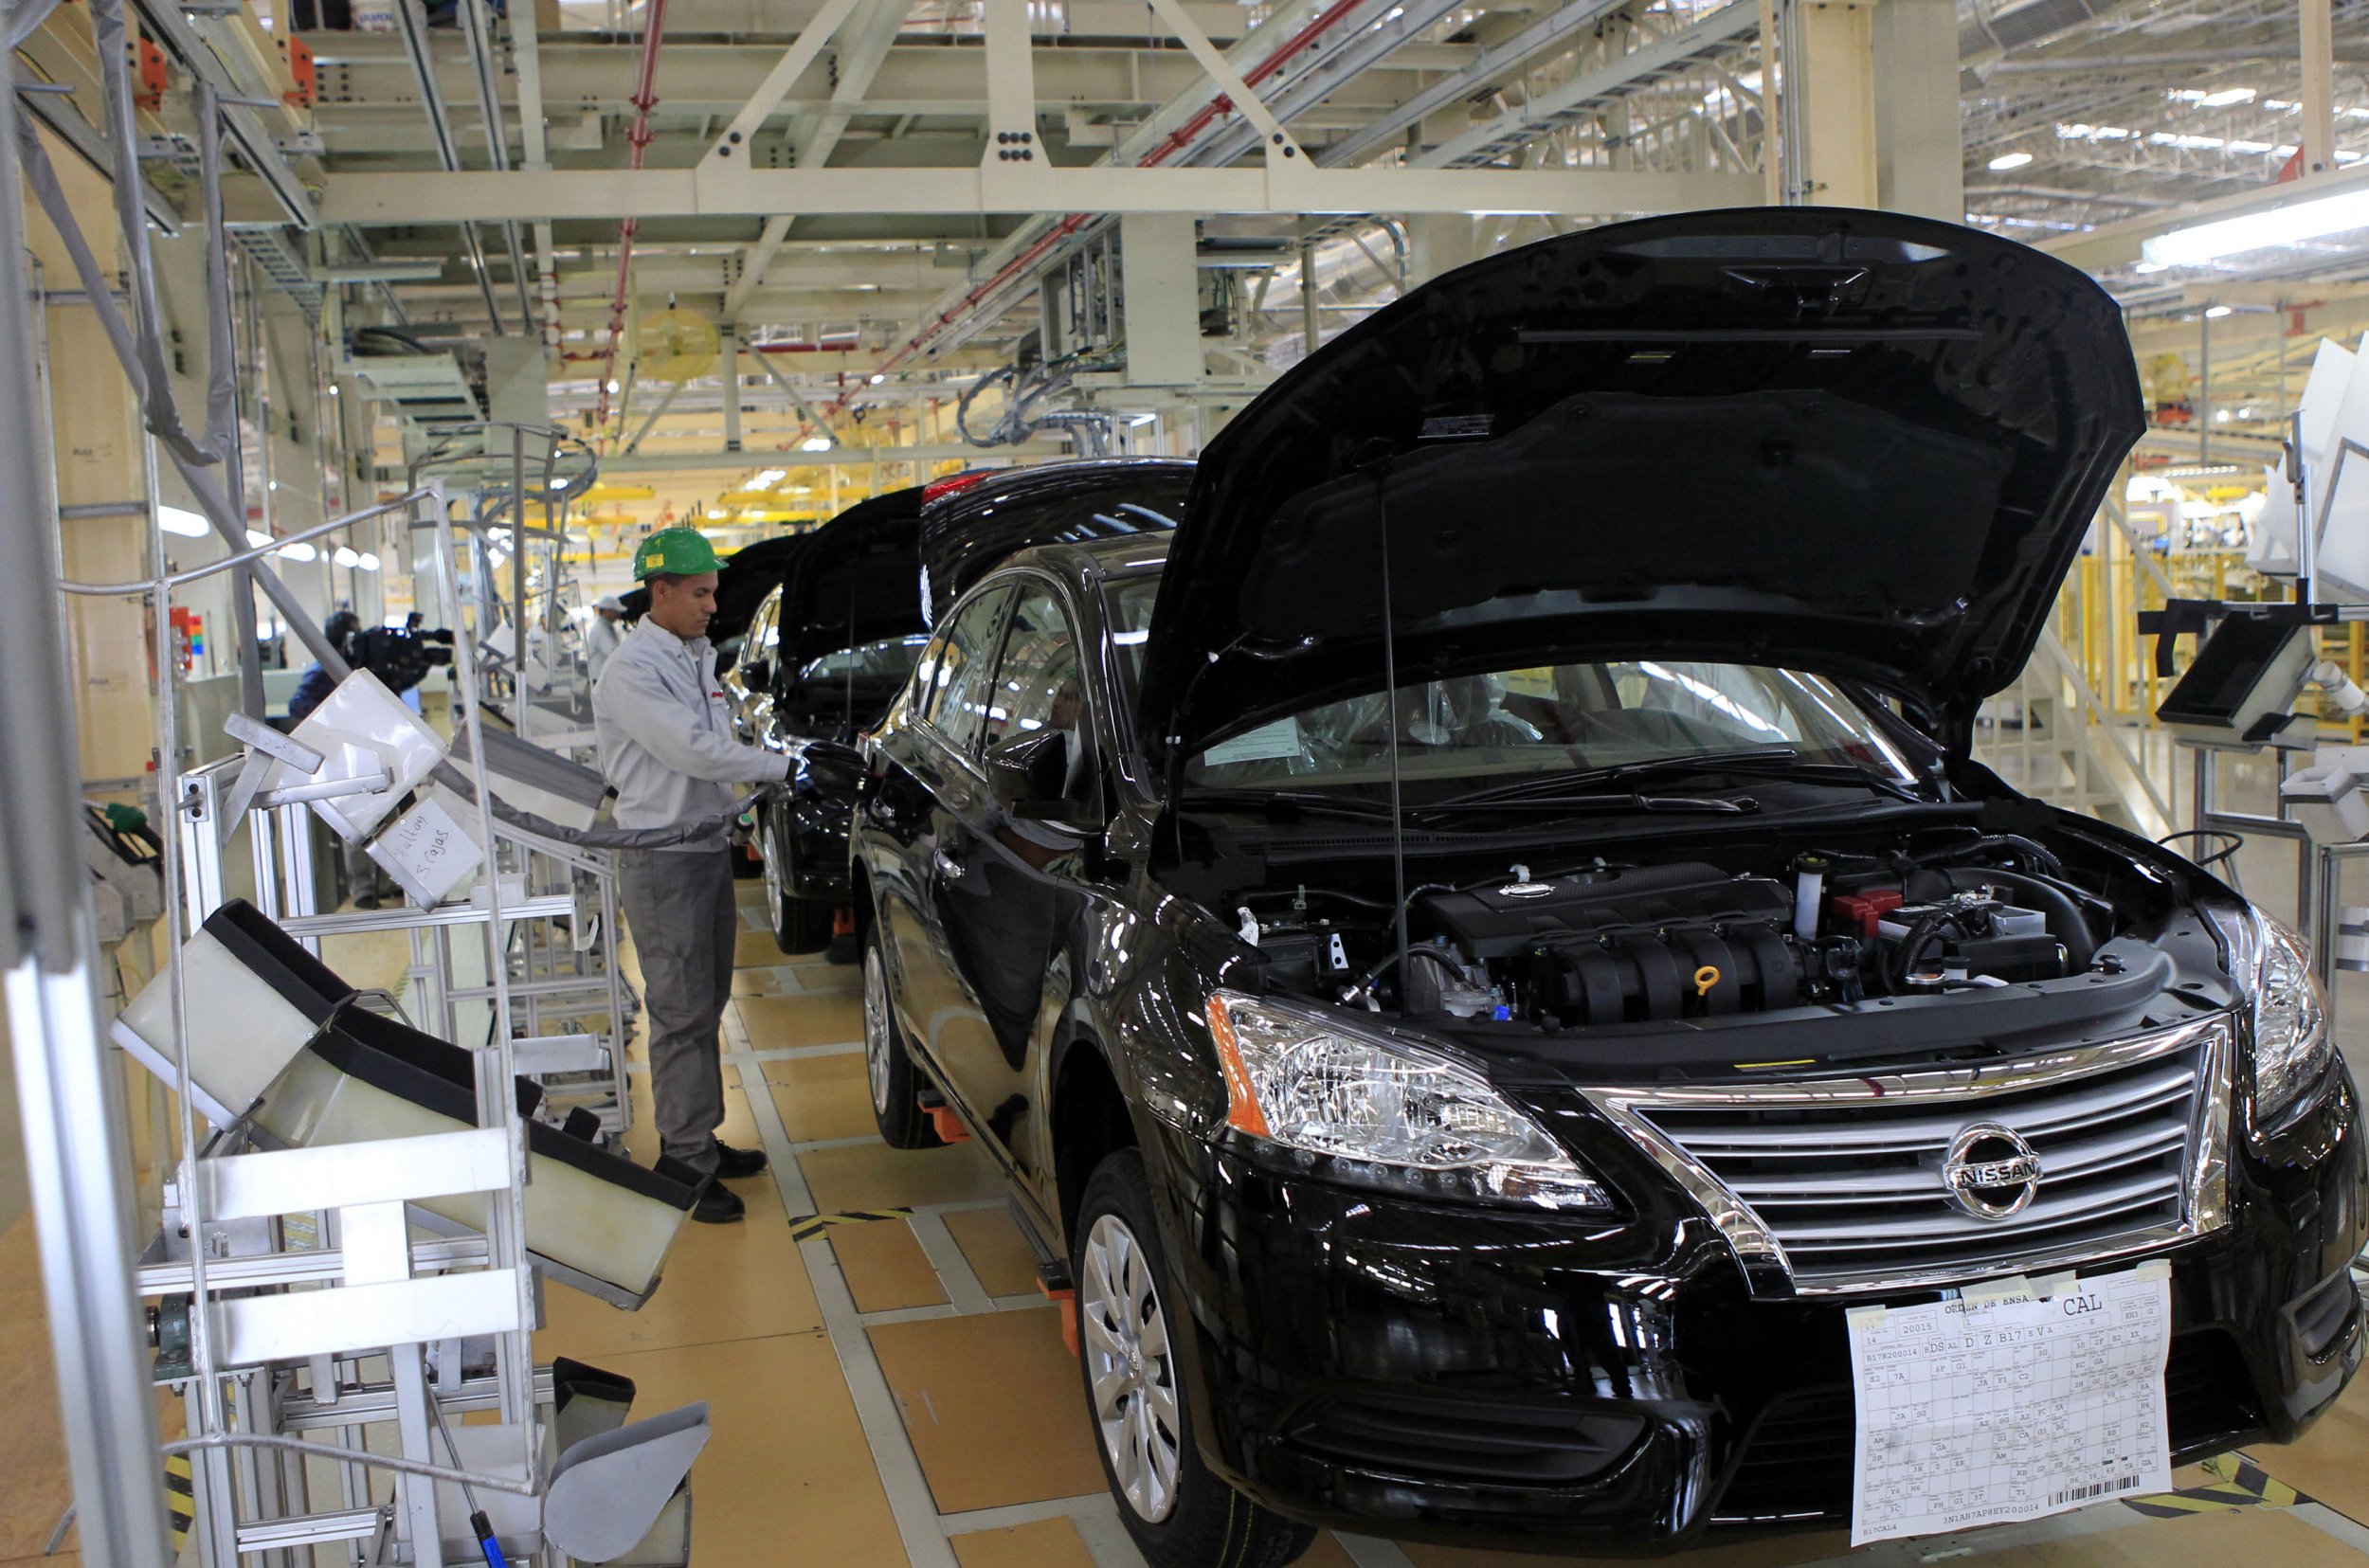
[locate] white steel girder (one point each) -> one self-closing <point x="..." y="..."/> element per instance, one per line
<point x="1293" y="187"/>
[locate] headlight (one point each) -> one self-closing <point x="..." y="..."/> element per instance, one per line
<point x="1384" y="1112"/>
<point x="2291" y="1044"/>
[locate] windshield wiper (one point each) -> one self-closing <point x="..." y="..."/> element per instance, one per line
<point x="1616" y="801"/>
<point x="1285" y="802"/>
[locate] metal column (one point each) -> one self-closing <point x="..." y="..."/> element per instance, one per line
<point x="81" y="1201"/>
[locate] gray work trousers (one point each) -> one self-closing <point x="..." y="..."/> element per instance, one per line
<point x="679" y="905"/>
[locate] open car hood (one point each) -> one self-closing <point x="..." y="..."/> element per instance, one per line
<point x="855" y="581"/>
<point x="966" y="532"/>
<point x="742" y="581"/>
<point x="1856" y="443"/>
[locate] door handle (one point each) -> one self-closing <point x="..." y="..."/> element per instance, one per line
<point x="948" y="866"/>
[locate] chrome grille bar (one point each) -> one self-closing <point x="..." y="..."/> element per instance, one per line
<point x="1836" y="1184"/>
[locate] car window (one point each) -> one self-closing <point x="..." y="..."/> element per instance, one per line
<point x="890" y="657"/>
<point x="1037" y="685"/>
<point x="1554" y="717"/>
<point x="966" y="664"/>
<point x="1129" y="611"/>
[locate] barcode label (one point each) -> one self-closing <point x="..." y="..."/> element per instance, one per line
<point x="2081" y="1494"/>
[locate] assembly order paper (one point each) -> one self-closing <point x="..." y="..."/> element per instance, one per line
<point x="1991" y="1410"/>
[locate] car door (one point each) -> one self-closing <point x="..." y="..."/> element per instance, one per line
<point x="931" y="780"/>
<point x="1001" y="921"/>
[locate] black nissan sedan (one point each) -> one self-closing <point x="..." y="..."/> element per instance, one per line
<point x="1479" y="949"/>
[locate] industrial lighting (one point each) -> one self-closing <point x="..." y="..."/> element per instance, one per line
<point x="815" y="443"/>
<point x="768" y="475"/>
<point x="2225" y="98"/>
<point x="187" y="524"/>
<point x="2214" y="312"/>
<point x="297" y="553"/>
<point x="2285" y="225"/>
<point x="878" y="377"/>
<point x="255" y="538"/>
<point x="2008" y="160"/>
<point x="369" y="561"/>
<point x="2146" y="267"/>
<point x="612" y="389"/>
<point x="556" y="484"/>
<point x="344" y="555"/>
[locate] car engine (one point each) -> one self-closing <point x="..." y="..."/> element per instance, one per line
<point x="1647" y="944"/>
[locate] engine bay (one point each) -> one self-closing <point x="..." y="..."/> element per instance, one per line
<point x="1661" y="941"/>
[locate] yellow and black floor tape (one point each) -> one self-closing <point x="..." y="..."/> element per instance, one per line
<point x="814" y="1225"/>
<point x="2237" y="1483"/>
<point x="180" y="1498"/>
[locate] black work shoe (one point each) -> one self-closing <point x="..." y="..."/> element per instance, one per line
<point x="718" y="1206"/>
<point x="733" y="1165"/>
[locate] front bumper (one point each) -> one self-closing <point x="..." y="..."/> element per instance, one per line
<point x="1404" y="1369"/>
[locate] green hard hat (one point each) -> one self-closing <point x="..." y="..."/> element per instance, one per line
<point x="676" y="552"/>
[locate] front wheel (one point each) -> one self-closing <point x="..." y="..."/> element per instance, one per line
<point x="1180" y="1514"/>
<point x="895" y="1087"/>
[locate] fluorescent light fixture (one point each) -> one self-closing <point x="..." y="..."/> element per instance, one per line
<point x="612" y="389"/>
<point x="1138" y="420"/>
<point x="815" y="443"/>
<point x="2008" y="160"/>
<point x="297" y="553"/>
<point x="2223" y="98"/>
<point x="556" y="484"/>
<point x="768" y="475"/>
<point x="878" y="377"/>
<point x="2146" y="267"/>
<point x="2285" y="225"/>
<point x="369" y="561"/>
<point x="187" y="524"/>
<point x="255" y="538"/>
<point x="2214" y="312"/>
<point x="344" y="555"/>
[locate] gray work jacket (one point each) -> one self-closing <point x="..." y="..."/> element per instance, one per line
<point x="665" y="730"/>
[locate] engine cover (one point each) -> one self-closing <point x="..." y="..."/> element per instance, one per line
<point x="1636" y="945"/>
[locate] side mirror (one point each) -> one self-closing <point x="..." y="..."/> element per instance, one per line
<point x="1026" y="781"/>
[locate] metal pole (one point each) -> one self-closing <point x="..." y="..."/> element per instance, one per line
<point x="73" y="1145"/>
<point x="1309" y="329"/>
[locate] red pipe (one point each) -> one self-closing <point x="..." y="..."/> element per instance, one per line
<point x="1175" y="139"/>
<point x="645" y="99"/>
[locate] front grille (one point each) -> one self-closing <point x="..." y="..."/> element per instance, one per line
<point x="1488" y="1442"/>
<point x="1796" y="1464"/>
<point x="1843" y="1179"/>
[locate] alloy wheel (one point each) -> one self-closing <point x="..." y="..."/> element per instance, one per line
<point x="773" y="873"/>
<point x="876" y="1040"/>
<point x="1124" y="1334"/>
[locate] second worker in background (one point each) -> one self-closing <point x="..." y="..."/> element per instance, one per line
<point x="667" y="747"/>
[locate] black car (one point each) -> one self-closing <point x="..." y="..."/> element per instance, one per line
<point x="1481" y="947"/>
<point x="841" y="635"/>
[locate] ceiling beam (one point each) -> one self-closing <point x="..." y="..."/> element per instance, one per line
<point x="477" y="195"/>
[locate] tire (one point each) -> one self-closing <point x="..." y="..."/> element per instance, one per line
<point x="894" y="1082"/>
<point x="799" y="925"/>
<point x="1181" y="1513"/>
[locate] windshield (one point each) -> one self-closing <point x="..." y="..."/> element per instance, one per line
<point x="891" y="659"/>
<point x="1558" y="718"/>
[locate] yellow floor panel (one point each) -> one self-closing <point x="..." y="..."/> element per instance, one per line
<point x="1325" y="1552"/>
<point x="822" y="1097"/>
<point x="885" y="1268"/>
<point x="751" y="892"/>
<point x="997" y="1252"/>
<point x="993" y="1406"/>
<point x="722" y="1282"/>
<point x="1047" y="1544"/>
<point x="827" y="1018"/>
<point x="787" y="1477"/>
<point x="874" y="1176"/>
<point x="756" y="950"/>
<point x="756" y="982"/>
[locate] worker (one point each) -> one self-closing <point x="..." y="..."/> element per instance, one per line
<point x="665" y="732"/>
<point x="315" y="684"/>
<point x="602" y="634"/>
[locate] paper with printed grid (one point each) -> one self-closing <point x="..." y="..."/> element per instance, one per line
<point x="2010" y="1406"/>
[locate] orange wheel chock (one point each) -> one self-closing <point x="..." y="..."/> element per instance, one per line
<point x="949" y="1126"/>
<point x="843" y="923"/>
<point x="1067" y="1300"/>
